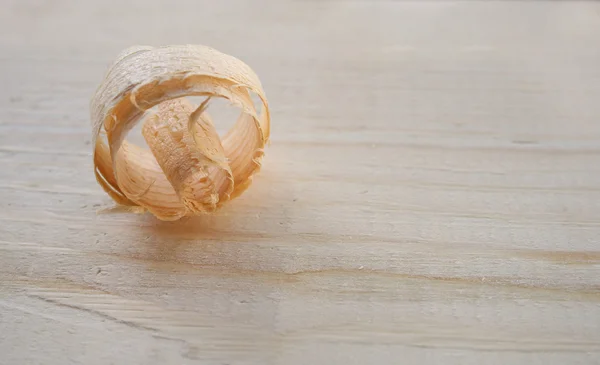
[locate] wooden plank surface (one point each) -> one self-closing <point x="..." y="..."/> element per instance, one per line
<point x="431" y="193"/>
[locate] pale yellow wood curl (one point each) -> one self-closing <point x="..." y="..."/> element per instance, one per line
<point x="188" y="170"/>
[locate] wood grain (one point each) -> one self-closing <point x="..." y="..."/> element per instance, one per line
<point x="431" y="193"/>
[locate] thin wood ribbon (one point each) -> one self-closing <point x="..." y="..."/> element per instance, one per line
<point x="188" y="169"/>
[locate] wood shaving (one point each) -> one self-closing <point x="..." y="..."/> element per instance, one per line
<point x="188" y="169"/>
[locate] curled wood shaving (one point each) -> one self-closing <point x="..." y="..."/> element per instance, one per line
<point x="188" y="170"/>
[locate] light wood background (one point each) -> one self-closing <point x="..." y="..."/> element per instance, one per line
<point x="431" y="194"/>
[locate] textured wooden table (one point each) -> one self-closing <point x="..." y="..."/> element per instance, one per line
<point x="431" y="194"/>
